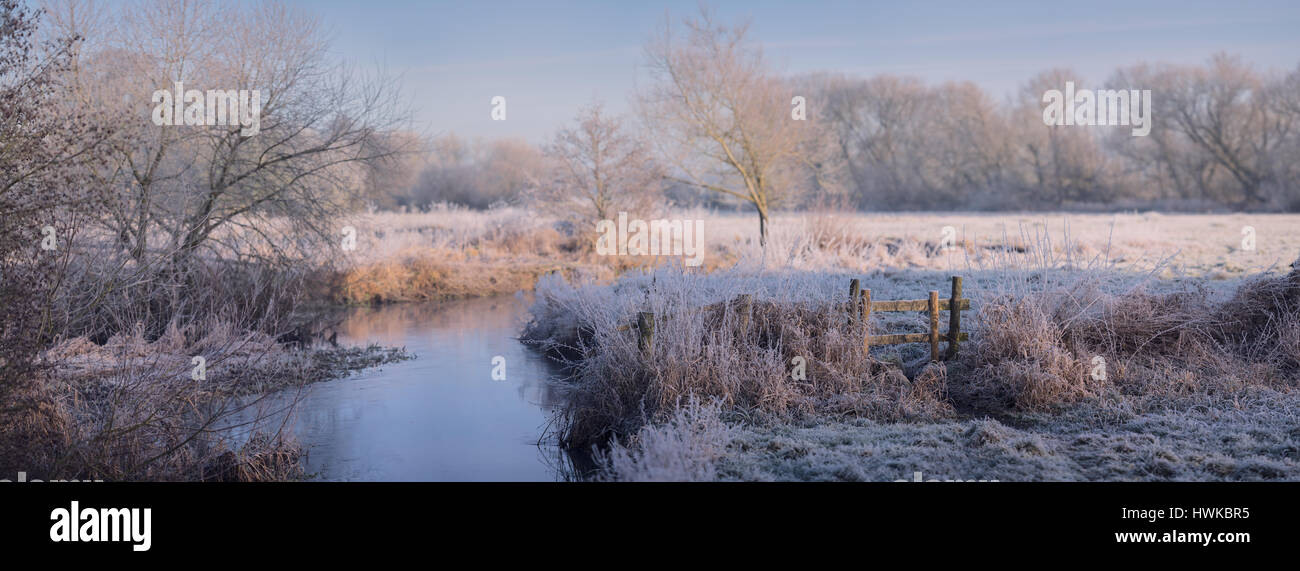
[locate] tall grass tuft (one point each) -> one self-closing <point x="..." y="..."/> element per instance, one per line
<point x="708" y="345"/>
<point x="1075" y="341"/>
<point x="684" y="448"/>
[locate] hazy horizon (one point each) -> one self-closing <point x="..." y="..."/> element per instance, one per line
<point x="548" y="61"/>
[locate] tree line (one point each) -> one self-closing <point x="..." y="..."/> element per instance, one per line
<point x="713" y="125"/>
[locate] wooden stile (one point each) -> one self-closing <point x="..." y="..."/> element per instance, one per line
<point x="954" y="304"/>
<point x="860" y="307"/>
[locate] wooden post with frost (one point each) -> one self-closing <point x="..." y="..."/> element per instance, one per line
<point x="954" y="318"/>
<point x="854" y="286"/>
<point x="934" y="325"/>
<point x="866" y="321"/>
<point x="744" y="307"/>
<point x="645" y="325"/>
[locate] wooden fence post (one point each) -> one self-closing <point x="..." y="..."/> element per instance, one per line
<point x="954" y="317"/>
<point x="645" y="324"/>
<point x="854" y="286"/>
<point x="866" y="320"/>
<point x="934" y="325"/>
<point x="745" y="305"/>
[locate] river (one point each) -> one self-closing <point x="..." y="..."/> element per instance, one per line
<point x="439" y="416"/>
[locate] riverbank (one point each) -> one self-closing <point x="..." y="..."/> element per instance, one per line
<point x="135" y="409"/>
<point x="1070" y="374"/>
<point x="1251" y="442"/>
<point x="454" y="254"/>
<point x="1087" y="443"/>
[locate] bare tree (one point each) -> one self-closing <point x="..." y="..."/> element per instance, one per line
<point x="1219" y="108"/>
<point x="1283" y="101"/>
<point x="478" y="174"/>
<point x="1060" y="164"/>
<point x="393" y="175"/>
<point x="511" y="169"/>
<point x="909" y="145"/>
<point x="599" y="169"/>
<point x="969" y="144"/>
<point x="1219" y="132"/>
<point x="1166" y="162"/>
<point x="182" y="188"/>
<point x="43" y="144"/>
<point x="878" y="125"/>
<point x="722" y="119"/>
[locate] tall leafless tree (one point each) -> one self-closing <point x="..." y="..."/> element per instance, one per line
<point x="43" y="147"/>
<point x="723" y="120"/>
<point x="600" y="168"/>
<point x="181" y="189"/>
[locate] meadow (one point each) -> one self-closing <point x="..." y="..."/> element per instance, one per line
<point x="1194" y="388"/>
<point x="1197" y="325"/>
<point x="454" y="252"/>
<point x="1200" y="343"/>
<point x="158" y="276"/>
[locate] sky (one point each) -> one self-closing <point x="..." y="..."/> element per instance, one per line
<point x="549" y="58"/>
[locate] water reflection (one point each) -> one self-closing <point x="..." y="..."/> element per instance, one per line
<point x="440" y="416"/>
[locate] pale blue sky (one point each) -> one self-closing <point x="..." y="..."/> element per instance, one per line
<point x="550" y="57"/>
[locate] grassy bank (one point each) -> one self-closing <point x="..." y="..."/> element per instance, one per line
<point x="1182" y="359"/>
<point x="138" y="409"/>
<point x="451" y="254"/>
<point x="137" y="372"/>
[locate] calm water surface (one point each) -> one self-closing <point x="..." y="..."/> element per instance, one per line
<point x="439" y="416"/>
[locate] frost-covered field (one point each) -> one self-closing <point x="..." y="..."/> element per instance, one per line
<point x="1203" y="357"/>
<point x="1203" y="245"/>
<point x="1206" y="245"/>
<point x="1192" y="392"/>
<point x="1254" y="442"/>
